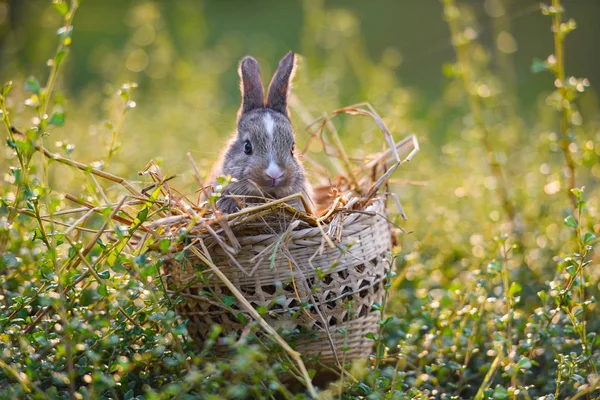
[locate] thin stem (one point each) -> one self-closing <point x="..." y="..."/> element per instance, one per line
<point x="380" y="336"/>
<point x="583" y="252"/>
<point x="116" y="130"/>
<point x="11" y="213"/>
<point x="345" y="350"/>
<point x="561" y="359"/>
<point x="509" y="311"/>
<point x="487" y="381"/>
<point x="565" y="140"/>
<point x="113" y="139"/>
<point x="469" y="351"/>
<point x="83" y="167"/>
<point x="11" y="135"/>
<point x="462" y="60"/>
<point x="62" y="45"/>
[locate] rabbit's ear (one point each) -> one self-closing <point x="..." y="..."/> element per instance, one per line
<point x="253" y="95"/>
<point x="280" y="84"/>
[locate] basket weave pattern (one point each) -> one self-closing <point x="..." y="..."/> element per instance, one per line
<point x="305" y="285"/>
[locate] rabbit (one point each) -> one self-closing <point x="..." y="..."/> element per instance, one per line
<point x="260" y="156"/>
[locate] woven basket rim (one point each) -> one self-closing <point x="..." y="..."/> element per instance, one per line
<point x="375" y="207"/>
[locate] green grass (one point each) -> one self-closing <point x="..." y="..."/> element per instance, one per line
<point x="495" y="288"/>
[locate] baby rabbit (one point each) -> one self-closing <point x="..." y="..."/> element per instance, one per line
<point x="260" y="156"/>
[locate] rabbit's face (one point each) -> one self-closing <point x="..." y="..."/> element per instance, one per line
<point x="265" y="151"/>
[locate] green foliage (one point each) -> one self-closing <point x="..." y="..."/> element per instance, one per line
<point x="495" y="290"/>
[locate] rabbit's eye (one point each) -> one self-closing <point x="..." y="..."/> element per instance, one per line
<point x="248" y="147"/>
<point x="293" y="148"/>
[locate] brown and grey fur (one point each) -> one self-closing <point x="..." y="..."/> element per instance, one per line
<point x="273" y="170"/>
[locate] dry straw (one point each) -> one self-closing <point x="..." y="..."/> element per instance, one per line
<point x="313" y="276"/>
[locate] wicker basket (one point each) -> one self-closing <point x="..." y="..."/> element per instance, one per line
<point x="308" y="288"/>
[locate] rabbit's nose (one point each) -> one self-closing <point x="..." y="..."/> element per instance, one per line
<point x="274" y="173"/>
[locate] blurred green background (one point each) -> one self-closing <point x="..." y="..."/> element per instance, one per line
<point x="413" y="31"/>
<point x="165" y="46"/>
